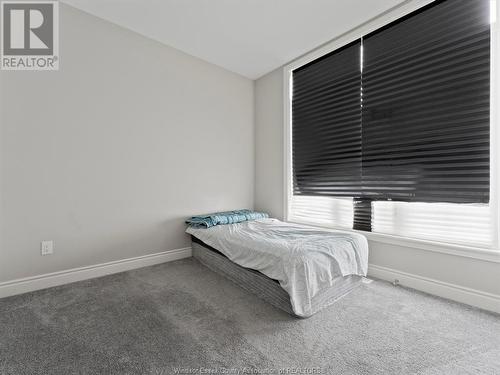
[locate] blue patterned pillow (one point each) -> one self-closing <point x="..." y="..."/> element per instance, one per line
<point x="227" y="217"/>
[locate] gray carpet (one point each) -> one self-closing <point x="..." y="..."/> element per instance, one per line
<point x="181" y="316"/>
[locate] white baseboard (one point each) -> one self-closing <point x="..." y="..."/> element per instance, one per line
<point x="473" y="297"/>
<point x="29" y="284"/>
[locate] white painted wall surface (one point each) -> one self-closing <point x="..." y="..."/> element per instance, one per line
<point x="269" y="144"/>
<point x="109" y="155"/>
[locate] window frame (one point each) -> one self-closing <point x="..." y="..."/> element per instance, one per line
<point x="493" y="254"/>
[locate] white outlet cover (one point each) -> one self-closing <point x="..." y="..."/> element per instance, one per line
<point x="47" y="247"/>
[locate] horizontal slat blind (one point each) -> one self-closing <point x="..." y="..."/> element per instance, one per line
<point x="404" y="133"/>
<point x="325" y="211"/>
<point x="326" y="125"/>
<point x="464" y="224"/>
<point x="426" y="110"/>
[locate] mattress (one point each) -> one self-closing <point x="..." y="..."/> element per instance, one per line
<point x="263" y="286"/>
<point x="306" y="261"/>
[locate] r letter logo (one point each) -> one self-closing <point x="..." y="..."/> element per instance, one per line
<point x="30" y="35"/>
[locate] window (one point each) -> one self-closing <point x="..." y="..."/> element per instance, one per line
<point x="326" y="136"/>
<point x="391" y="132"/>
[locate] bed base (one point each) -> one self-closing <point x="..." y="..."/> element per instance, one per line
<point x="264" y="287"/>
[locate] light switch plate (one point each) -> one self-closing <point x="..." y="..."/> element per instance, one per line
<point x="47" y="247"/>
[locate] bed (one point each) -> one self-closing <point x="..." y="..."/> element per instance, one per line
<point x="297" y="268"/>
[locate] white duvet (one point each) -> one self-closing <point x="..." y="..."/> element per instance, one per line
<point x="304" y="260"/>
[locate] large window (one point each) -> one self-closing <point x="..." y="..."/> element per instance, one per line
<point x="391" y="133"/>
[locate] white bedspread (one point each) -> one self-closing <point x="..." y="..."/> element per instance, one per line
<point x="304" y="260"/>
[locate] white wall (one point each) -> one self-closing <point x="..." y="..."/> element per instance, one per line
<point x="109" y="155"/>
<point x="480" y="275"/>
<point x="269" y="144"/>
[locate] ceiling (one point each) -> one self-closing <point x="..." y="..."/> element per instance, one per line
<point x="248" y="37"/>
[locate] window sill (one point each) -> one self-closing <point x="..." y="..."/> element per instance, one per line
<point x="488" y="255"/>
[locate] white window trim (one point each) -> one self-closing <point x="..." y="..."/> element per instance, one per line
<point x="490" y="255"/>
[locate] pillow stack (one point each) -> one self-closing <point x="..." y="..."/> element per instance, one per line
<point x="227" y="217"/>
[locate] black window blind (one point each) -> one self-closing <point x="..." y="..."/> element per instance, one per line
<point x="326" y="133"/>
<point x="410" y="123"/>
<point x="426" y="106"/>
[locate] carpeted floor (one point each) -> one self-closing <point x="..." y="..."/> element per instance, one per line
<point x="180" y="317"/>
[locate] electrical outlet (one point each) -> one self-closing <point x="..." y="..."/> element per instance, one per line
<point x="47" y="247"/>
